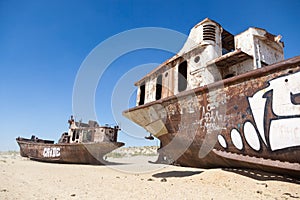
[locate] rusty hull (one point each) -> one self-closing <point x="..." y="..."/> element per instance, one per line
<point x="78" y="153"/>
<point x="236" y="122"/>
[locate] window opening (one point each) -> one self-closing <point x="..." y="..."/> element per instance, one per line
<point x="227" y="42"/>
<point x="142" y="94"/>
<point x="229" y="76"/>
<point x="182" y="76"/>
<point x="73" y="135"/>
<point x="158" y="87"/>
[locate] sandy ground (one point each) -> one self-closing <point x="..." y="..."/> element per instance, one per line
<point x="135" y="178"/>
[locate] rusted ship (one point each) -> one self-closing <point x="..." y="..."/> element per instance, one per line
<point x="84" y="143"/>
<point x="225" y="101"/>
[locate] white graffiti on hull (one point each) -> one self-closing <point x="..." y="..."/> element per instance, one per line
<point x="284" y="124"/>
<point x="284" y="131"/>
<point x="51" y="152"/>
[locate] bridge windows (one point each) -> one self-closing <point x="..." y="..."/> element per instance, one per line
<point x="158" y="87"/>
<point x="182" y="76"/>
<point x="142" y="94"/>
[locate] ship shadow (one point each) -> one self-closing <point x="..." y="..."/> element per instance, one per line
<point x="176" y="174"/>
<point x="262" y="175"/>
<point x="109" y="163"/>
<point x="100" y="163"/>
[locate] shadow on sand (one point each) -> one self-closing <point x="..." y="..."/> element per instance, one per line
<point x="101" y="163"/>
<point x="113" y="163"/>
<point x="262" y="176"/>
<point x="176" y="174"/>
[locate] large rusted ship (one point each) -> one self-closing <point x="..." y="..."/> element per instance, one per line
<point x="82" y="144"/>
<point x="225" y="101"/>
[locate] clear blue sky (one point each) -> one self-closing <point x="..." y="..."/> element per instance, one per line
<point x="43" y="43"/>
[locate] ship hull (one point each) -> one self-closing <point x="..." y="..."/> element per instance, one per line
<point x="77" y="153"/>
<point x="220" y="158"/>
<point x="247" y="121"/>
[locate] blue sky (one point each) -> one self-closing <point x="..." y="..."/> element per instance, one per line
<point x="43" y="44"/>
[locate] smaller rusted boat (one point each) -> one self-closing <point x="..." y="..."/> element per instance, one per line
<point x="82" y="144"/>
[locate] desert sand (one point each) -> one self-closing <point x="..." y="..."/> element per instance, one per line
<point x="132" y="177"/>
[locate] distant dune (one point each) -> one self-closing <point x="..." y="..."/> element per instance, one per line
<point x="133" y="151"/>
